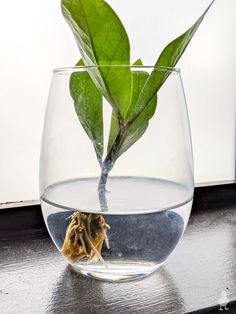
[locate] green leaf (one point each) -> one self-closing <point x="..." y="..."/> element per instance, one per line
<point x="145" y="88"/>
<point x="168" y="58"/>
<point x="139" y="80"/>
<point x="174" y="50"/>
<point x="138" y="62"/>
<point x="102" y="40"/>
<point x="136" y="87"/>
<point x="88" y="106"/>
<point x="114" y="130"/>
<point x="137" y="128"/>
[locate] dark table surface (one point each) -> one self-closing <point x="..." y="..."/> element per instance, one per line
<point x="199" y="275"/>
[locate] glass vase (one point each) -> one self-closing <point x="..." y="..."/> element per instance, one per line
<point x="127" y="229"/>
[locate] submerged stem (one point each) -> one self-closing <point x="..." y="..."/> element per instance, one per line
<point x="102" y="189"/>
<point x="106" y="167"/>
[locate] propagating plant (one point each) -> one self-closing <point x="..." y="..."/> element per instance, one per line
<point x="104" y="44"/>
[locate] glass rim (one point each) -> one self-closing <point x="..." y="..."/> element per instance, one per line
<point x="64" y="70"/>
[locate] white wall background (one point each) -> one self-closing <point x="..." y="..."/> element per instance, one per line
<point x="35" y="39"/>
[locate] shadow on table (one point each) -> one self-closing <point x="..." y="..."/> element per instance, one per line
<point x="74" y="293"/>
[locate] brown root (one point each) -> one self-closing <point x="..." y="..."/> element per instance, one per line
<point x="85" y="236"/>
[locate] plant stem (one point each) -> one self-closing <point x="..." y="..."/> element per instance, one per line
<point x="106" y="167"/>
<point x="102" y="189"/>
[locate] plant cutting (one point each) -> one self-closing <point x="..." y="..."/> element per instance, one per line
<point x="132" y="96"/>
<point x="106" y="74"/>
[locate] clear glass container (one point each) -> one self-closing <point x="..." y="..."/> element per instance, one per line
<point x="129" y="231"/>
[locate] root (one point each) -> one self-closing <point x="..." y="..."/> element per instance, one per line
<point x="85" y="236"/>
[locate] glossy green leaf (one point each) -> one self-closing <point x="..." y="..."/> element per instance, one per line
<point x="102" y="40"/>
<point x="136" y="129"/>
<point x="138" y="62"/>
<point x="145" y="88"/>
<point x="168" y="58"/>
<point x="88" y="106"/>
<point x="138" y="80"/>
<point x="174" y="50"/>
<point x="114" y="130"/>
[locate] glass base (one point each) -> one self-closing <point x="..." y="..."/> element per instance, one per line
<point x="117" y="272"/>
